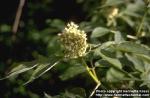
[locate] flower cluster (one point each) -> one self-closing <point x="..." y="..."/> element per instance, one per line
<point x="74" y="41"/>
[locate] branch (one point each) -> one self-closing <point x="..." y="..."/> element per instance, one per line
<point x="18" y="15"/>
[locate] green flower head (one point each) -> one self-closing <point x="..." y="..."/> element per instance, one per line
<point x="74" y="41"/>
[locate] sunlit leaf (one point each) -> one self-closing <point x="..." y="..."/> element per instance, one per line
<point x="99" y="31"/>
<point x="138" y="64"/>
<point x="133" y="48"/>
<point x="112" y="61"/>
<point x="145" y="76"/>
<point x="47" y="96"/>
<point x="144" y="57"/>
<point x="114" y="75"/>
<point x="112" y="2"/>
<point x="118" y="37"/>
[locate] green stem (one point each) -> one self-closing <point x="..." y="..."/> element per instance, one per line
<point x="93" y="69"/>
<point x="141" y="24"/>
<point x="90" y="72"/>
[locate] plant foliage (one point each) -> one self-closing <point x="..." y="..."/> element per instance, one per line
<point x="118" y="53"/>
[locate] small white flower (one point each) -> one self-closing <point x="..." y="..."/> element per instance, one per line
<point x="113" y="12"/>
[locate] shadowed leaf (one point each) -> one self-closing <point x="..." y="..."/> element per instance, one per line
<point x="72" y="71"/>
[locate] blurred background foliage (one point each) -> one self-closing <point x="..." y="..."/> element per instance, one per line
<point x="121" y="59"/>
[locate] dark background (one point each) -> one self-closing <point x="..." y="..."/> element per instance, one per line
<point x="22" y="47"/>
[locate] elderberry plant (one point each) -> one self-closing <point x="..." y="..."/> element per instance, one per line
<point x="107" y="51"/>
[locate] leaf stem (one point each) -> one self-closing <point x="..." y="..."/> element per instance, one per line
<point x="92" y="73"/>
<point x="141" y="24"/>
<point x="93" y="69"/>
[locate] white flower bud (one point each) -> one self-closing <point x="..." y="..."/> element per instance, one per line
<point x="113" y="12"/>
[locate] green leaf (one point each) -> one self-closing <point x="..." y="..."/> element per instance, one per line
<point x="112" y="2"/>
<point x="72" y="71"/>
<point x="71" y="93"/>
<point x="145" y="76"/>
<point x="103" y="46"/>
<point x="114" y="75"/>
<point x="40" y="70"/>
<point x="133" y="8"/>
<point x="148" y="5"/>
<point x="118" y="37"/>
<point x="102" y="63"/>
<point x="138" y="64"/>
<point x="133" y="47"/>
<point x="20" y="69"/>
<point x="5" y="28"/>
<point x="57" y="23"/>
<point x="78" y="91"/>
<point x="128" y="20"/>
<point x="144" y="57"/>
<point x="112" y="61"/>
<point x="99" y="31"/>
<point x="47" y="96"/>
<point x="68" y="94"/>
